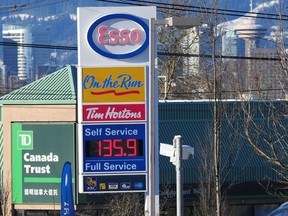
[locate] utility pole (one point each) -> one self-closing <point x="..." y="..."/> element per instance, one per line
<point x="177" y="143"/>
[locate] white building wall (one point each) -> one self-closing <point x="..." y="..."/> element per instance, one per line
<point x="24" y="54"/>
<point x="191" y="45"/>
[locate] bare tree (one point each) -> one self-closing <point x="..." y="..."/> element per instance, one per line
<point x="212" y="71"/>
<point x="265" y="122"/>
<point x="131" y="204"/>
<point x="179" y="77"/>
<point x="215" y="77"/>
<point x="6" y="193"/>
<point x="126" y="204"/>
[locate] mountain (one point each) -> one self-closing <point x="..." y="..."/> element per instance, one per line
<point x="53" y="22"/>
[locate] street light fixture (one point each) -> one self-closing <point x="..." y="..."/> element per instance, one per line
<point x="179" y="22"/>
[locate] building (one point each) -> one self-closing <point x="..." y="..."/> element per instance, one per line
<point x="43" y="57"/>
<point x="251" y="33"/>
<point x="46" y="110"/>
<point x="1" y="41"/>
<point x="232" y="45"/>
<point x="269" y="77"/>
<point x="3" y="79"/>
<point x="19" y="59"/>
<point x="197" y="42"/>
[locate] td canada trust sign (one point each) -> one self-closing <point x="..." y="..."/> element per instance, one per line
<point x="39" y="152"/>
<point x="113" y="98"/>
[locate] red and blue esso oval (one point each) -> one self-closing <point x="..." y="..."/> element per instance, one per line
<point x="118" y="36"/>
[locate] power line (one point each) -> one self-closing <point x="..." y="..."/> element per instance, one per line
<point x="222" y="91"/>
<point x="27" y="6"/>
<point x="207" y="8"/>
<point x="213" y="9"/>
<point x="47" y="4"/>
<point x="73" y="48"/>
<point x="38" y="46"/>
<point x="202" y="9"/>
<point x="217" y="56"/>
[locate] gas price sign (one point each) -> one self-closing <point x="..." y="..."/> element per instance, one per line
<point x="114" y="148"/>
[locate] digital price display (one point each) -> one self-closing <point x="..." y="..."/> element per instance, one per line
<point x="114" y="148"/>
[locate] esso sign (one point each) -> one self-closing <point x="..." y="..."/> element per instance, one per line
<point x="118" y="36"/>
<point x="114" y="36"/>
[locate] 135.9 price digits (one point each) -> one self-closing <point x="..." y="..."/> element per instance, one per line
<point x="114" y="148"/>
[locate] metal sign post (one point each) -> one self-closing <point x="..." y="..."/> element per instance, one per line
<point x="177" y="142"/>
<point x="177" y="152"/>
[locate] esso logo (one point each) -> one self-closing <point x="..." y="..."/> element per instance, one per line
<point x="118" y="36"/>
<point x="114" y="36"/>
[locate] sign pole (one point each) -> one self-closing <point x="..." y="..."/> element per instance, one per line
<point x="152" y="197"/>
<point x="177" y="142"/>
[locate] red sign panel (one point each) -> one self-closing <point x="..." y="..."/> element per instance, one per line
<point x="114" y="112"/>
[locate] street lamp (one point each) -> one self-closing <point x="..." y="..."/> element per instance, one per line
<point x="179" y="22"/>
<point x="152" y="196"/>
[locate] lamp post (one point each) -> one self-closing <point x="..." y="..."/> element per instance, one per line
<point x="177" y="143"/>
<point x="152" y="196"/>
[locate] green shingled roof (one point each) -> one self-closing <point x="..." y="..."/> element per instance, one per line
<point x="56" y="88"/>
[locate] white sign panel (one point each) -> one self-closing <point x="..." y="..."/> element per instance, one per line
<point x="114" y="36"/>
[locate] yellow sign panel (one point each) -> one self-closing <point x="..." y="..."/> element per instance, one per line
<point x="124" y="84"/>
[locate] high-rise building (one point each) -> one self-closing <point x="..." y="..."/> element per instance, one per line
<point x="191" y="45"/>
<point x="197" y="43"/>
<point x="42" y="57"/>
<point x="268" y="78"/>
<point x="232" y="45"/>
<point x="1" y="47"/>
<point x="251" y="33"/>
<point x="19" y="59"/>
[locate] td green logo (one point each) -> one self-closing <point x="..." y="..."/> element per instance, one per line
<point x="25" y="140"/>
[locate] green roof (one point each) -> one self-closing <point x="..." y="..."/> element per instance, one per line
<point x="59" y="87"/>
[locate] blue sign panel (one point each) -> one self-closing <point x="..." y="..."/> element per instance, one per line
<point x="115" y="183"/>
<point x="114" y="148"/>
